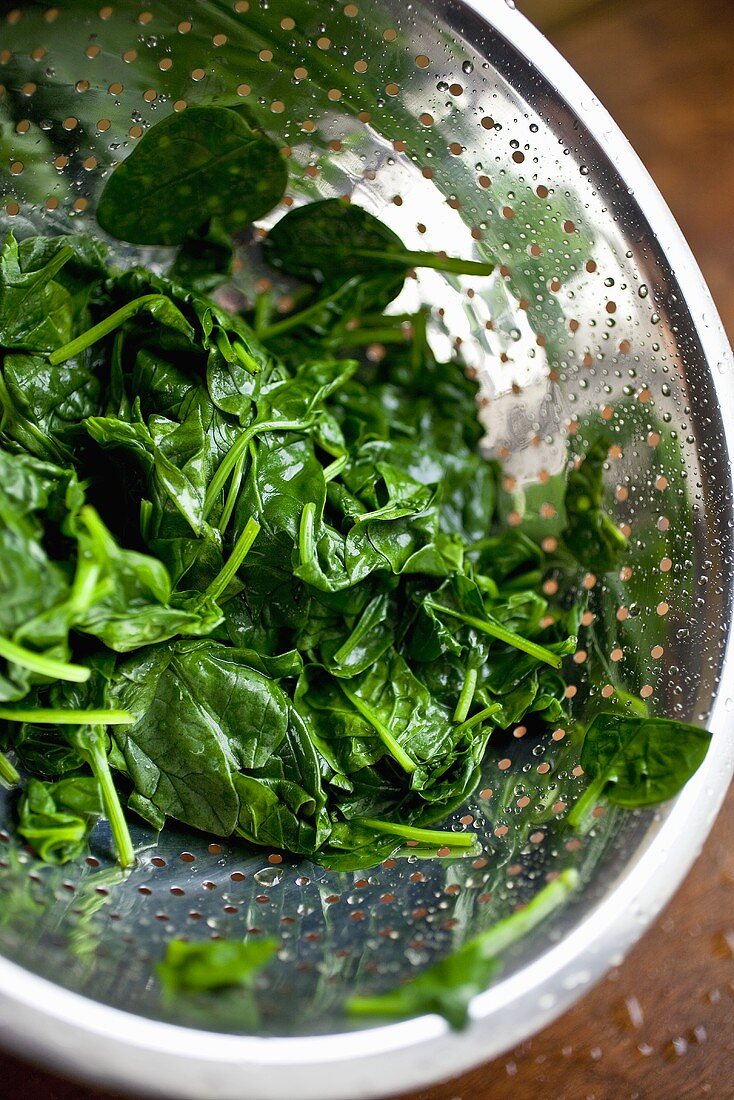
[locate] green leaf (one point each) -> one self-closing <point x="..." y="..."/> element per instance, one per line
<point x="190" y="968"/>
<point x="201" y="715"/>
<point x="190" y="167"/>
<point x="636" y="761"/>
<point x="55" y="818"/>
<point x="332" y="240"/>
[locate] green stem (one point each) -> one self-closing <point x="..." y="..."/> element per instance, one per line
<point x="406" y="762"/>
<point x="478" y="718"/>
<point x="46" y="666"/>
<point x="335" y="468"/>
<point x="234" y="492"/>
<point x="366" y="622"/>
<point x="263" y="312"/>
<point x="8" y="773"/>
<point x="450" y="264"/>
<point x="378" y="513"/>
<point x="68" y="717"/>
<point x="582" y="809"/>
<point x="295" y="319"/>
<point x="439" y="837"/>
<point x="104" y="328"/>
<point x="356" y="337"/>
<point x="513" y="928"/>
<point x="230" y="460"/>
<point x="303" y="316"/>
<point x="239" y="552"/>
<point x="306" y="540"/>
<point x="100" y="766"/>
<point x="467" y="695"/>
<point x="486" y="626"/>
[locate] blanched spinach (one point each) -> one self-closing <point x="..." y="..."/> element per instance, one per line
<point x="261" y="579"/>
<point x="636" y="761"/>
<point x="204" y="163"/>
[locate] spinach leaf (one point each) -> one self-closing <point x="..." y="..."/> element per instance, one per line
<point x="636" y="761"/>
<point x="35" y="310"/>
<point x="283" y="804"/>
<point x="200" y="716"/>
<point x="55" y="818"/>
<point x="204" y="163"/>
<point x="332" y="240"/>
<point x="191" y="968"/>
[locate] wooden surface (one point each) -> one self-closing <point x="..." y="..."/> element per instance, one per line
<point x="661" y="1027"/>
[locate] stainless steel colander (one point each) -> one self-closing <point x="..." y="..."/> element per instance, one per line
<point x="461" y="127"/>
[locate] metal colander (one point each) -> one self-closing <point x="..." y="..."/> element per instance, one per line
<point x="458" y="125"/>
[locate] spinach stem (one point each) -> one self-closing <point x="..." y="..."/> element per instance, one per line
<point x="335" y="468"/>
<point x="306" y="541"/>
<point x="450" y="264"/>
<point x="100" y="765"/>
<point x="103" y="328"/>
<point x="362" y="627"/>
<point x="440" y="837"/>
<point x="239" y="552"/>
<point x="579" y="814"/>
<point x="8" y="773"/>
<point x="355" y="337"/>
<point x="496" y="630"/>
<point x="406" y="762"/>
<point x="508" y="931"/>
<point x="478" y="718"/>
<point x="467" y="695"/>
<point x="296" y="319"/>
<point x="234" y="492"/>
<point x="45" y="666"/>
<point x="263" y="312"/>
<point x="68" y="717"/>
<point x="230" y="460"/>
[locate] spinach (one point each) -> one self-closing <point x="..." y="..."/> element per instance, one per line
<point x="635" y="761"/>
<point x="264" y="581"/>
<point x="204" y="163"/>
<point x="207" y="967"/>
<point x="55" y="818"/>
<point x="332" y="240"/>
<point x="591" y="535"/>
<point x="449" y="986"/>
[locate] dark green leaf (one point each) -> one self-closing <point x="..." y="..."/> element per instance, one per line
<point x="204" y="163"/>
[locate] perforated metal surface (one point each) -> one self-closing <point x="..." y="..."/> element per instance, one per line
<point x="433" y="119"/>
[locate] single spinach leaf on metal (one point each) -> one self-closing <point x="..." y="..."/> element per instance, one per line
<point x="636" y="761"/>
<point x="190" y="167"/>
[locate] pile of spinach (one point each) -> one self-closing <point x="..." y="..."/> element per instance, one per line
<point x="250" y="578"/>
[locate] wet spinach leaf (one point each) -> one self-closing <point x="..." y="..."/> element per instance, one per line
<point x="635" y="761"/>
<point x="201" y="164"/>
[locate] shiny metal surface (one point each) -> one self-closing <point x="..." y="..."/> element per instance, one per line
<point x="463" y="128"/>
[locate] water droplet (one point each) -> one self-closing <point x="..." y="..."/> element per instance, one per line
<point x="269" y="876"/>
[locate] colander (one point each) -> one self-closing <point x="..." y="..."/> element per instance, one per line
<point x="461" y="127"/>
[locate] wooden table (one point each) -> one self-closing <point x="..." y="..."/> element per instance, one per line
<point x="661" y="1027"/>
